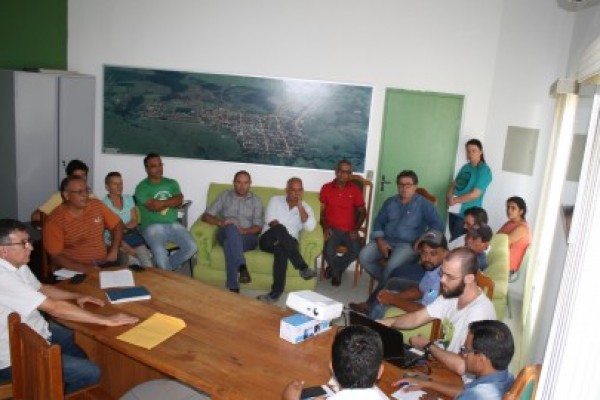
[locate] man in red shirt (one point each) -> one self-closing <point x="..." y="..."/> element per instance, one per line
<point x="342" y="213"/>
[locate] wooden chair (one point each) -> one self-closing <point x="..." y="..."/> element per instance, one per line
<point x="46" y="269"/>
<point x="487" y="286"/>
<point x="526" y="384"/>
<point x="37" y="366"/>
<point x="6" y="390"/>
<point x="425" y="193"/>
<point x="366" y="186"/>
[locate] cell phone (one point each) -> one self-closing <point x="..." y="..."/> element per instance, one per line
<point x="136" y="268"/>
<point x="77" y="279"/>
<point x="316" y="391"/>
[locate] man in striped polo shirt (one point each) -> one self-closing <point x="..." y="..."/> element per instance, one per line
<point x="74" y="232"/>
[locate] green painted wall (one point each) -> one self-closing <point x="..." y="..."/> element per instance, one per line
<point x="33" y="34"/>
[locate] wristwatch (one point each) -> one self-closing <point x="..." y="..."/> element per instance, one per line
<point x="427" y="348"/>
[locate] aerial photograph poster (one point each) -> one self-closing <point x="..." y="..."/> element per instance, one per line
<point x="274" y="121"/>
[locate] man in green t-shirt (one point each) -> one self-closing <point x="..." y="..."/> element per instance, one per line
<point x="158" y="199"/>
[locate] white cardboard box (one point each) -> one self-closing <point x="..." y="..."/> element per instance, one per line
<point x="298" y="327"/>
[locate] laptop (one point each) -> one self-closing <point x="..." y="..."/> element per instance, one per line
<point x="395" y="351"/>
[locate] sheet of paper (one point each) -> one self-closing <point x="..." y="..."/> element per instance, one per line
<point x="400" y="394"/>
<point x="153" y="331"/>
<point x="63" y="273"/>
<point x="120" y="278"/>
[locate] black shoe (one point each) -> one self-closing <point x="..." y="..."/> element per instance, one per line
<point x="327" y="272"/>
<point x="307" y="273"/>
<point x="268" y="298"/>
<point x="234" y="290"/>
<point x="336" y="281"/>
<point x="244" y="275"/>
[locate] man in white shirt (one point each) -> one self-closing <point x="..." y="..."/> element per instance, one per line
<point x="461" y="302"/>
<point x="285" y="217"/>
<point x="22" y="293"/>
<point x="356" y="364"/>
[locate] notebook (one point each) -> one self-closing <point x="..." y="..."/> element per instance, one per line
<point x="395" y="351"/>
<point x="127" y="294"/>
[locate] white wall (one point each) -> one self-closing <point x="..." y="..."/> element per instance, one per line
<point x="502" y="55"/>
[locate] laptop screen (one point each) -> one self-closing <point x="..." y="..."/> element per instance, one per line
<point x="394" y="349"/>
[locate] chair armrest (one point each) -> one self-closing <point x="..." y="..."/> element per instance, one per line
<point x="205" y="236"/>
<point x="311" y="245"/>
<point x="182" y="212"/>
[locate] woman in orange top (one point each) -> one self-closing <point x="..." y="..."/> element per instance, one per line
<point x="517" y="230"/>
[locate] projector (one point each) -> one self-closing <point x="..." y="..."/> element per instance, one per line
<point x="314" y="305"/>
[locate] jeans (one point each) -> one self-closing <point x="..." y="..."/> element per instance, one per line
<point x="78" y="371"/>
<point x="234" y="245"/>
<point x="158" y="235"/>
<point x="337" y="263"/>
<point x="283" y="246"/>
<point x="456" y="225"/>
<point x="403" y="256"/>
<point x="393" y="284"/>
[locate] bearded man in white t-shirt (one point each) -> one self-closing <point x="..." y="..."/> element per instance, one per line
<point x="460" y="302"/>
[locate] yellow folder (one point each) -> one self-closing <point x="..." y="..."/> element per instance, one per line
<point x="153" y="331"/>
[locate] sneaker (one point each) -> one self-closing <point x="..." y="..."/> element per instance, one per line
<point x="307" y="273"/>
<point x="268" y="298"/>
<point x="234" y="290"/>
<point x="244" y="275"/>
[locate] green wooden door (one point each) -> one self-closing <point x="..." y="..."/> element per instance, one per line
<point x="420" y="132"/>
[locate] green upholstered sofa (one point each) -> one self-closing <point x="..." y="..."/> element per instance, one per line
<point x="210" y="266"/>
<point x="497" y="269"/>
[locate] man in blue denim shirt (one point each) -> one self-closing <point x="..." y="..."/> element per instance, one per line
<point x="400" y="222"/>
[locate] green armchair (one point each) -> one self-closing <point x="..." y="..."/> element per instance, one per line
<point x="210" y="266"/>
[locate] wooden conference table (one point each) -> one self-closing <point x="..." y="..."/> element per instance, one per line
<point x="230" y="347"/>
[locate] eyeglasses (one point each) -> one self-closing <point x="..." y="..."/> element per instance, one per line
<point x="465" y="350"/>
<point x="25" y="243"/>
<point x="448" y="276"/>
<point x="406" y="185"/>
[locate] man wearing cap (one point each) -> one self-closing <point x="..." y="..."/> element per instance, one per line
<point x="478" y="239"/>
<point x="407" y="294"/>
<point x="400" y="222"/>
<point x="461" y="302"/>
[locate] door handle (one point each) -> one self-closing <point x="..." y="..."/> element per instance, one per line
<point x="383" y="183"/>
